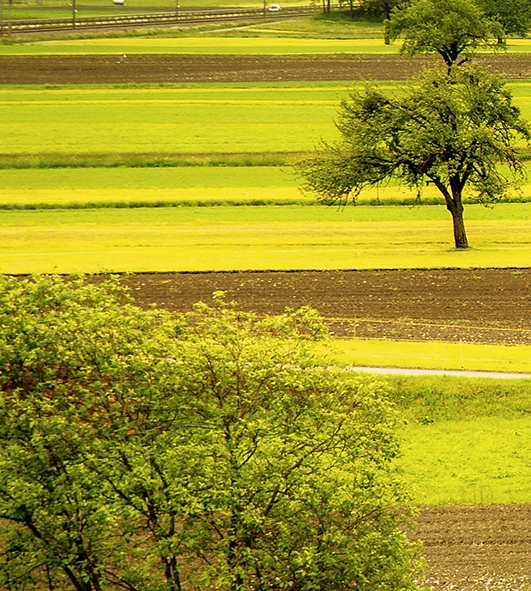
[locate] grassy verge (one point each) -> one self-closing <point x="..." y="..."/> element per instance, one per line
<point x="431" y="355"/>
<point x="464" y="440"/>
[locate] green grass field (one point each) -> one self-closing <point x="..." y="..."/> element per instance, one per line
<point x="225" y="118"/>
<point x="464" y="440"/>
<point x="179" y="119"/>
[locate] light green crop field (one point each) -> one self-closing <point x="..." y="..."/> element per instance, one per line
<point x="204" y="44"/>
<point x="180" y="119"/>
<point x="177" y="119"/>
<point x="272" y="237"/>
<point x="181" y="185"/>
<point x="216" y="44"/>
<point x="123" y="186"/>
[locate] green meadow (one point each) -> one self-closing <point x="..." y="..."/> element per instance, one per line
<point x="177" y="119"/>
<point x="268" y="41"/>
<point x="251" y="237"/>
<point x="464" y="440"/>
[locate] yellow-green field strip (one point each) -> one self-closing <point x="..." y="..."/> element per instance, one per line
<point x="273" y="237"/>
<point x="214" y="44"/>
<point x="435" y="355"/>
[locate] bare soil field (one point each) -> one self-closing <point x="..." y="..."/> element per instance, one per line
<point x="165" y="68"/>
<point x="470" y="305"/>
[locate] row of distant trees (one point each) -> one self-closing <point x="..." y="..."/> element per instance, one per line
<point x="513" y="15"/>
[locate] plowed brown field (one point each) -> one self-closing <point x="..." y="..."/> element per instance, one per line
<point x="472" y="305"/>
<point x="165" y="68"/>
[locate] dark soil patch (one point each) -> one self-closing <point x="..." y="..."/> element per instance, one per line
<point x="165" y="68"/>
<point x="473" y="548"/>
<point x="481" y="305"/>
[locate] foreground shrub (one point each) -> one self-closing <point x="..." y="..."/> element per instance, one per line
<point x="145" y="451"/>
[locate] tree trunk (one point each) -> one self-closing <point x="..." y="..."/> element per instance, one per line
<point x="454" y="204"/>
<point x="460" y="238"/>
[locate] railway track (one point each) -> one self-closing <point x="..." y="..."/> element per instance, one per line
<point x="160" y="19"/>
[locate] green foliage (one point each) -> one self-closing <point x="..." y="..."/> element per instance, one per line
<point x="514" y="15"/>
<point x="452" y="130"/>
<point x="454" y="29"/>
<point x="143" y="451"/>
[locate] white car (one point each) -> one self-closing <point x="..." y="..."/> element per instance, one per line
<point x="274" y="8"/>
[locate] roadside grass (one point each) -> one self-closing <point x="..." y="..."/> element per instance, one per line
<point x="248" y="237"/>
<point x="464" y="440"/>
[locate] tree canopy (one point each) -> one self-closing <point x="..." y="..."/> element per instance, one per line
<point x="454" y="130"/>
<point x="146" y="451"/>
<point x="454" y="29"/>
<point x="513" y="15"/>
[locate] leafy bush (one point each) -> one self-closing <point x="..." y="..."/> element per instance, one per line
<point x="145" y="451"/>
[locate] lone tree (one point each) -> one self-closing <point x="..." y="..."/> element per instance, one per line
<point x="143" y="451"/>
<point x="454" y="29"/>
<point x="454" y="130"/>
